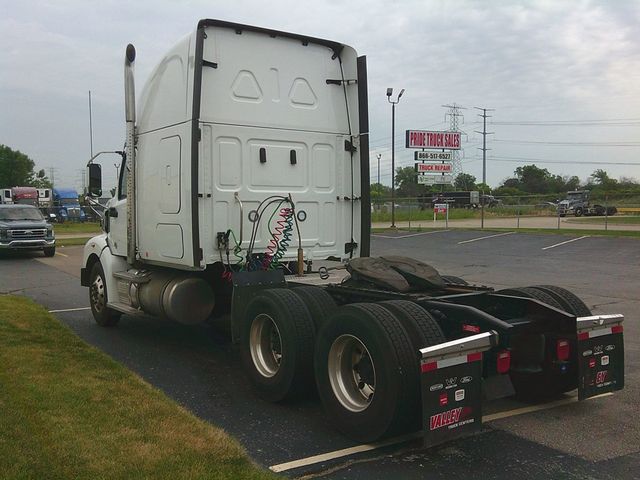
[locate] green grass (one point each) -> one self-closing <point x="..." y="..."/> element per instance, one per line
<point x="77" y="227"/>
<point x="69" y="411"/>
<point x="617" y="220"/>
<point x="68" y="242"/>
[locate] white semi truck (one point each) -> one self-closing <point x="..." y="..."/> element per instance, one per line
<point x="246" y="160"/>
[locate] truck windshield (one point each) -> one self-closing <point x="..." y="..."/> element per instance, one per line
<point x="20" y="214"/>
<point x="574" y="196"/>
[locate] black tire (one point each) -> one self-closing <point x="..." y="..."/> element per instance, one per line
<point x="103" y="315"/>
<point x="530" y="292"/>
<point x="562" y="215"/>
<point x="612" y="210"/>
<point x="49" y="251"/>
<point x="570" y="302"/>
<point x="388" y="361"/>
<point x="291" y="374"/>
<point x="319" y="303"/>
<point x="453" y="280"/>
<point x="578" y="211"/>
<point x="545" y="384"/>
<point x="422" y="328"/>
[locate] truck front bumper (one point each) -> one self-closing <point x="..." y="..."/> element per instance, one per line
<point x="24" y="244"/>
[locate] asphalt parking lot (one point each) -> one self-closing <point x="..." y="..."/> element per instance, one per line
<point x="199" y="368"/>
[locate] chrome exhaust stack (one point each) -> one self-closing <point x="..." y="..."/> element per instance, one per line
<point x="130" y="149"/>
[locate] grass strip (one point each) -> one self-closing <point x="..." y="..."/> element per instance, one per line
<point x="69" y="411"/>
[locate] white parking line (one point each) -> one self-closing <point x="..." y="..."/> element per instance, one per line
<point x="488" y="236"/>
<point x="70" y="310"/>
<point x="410" y="235"/>
<point x="568" y="241"/>
<point x="345" y="452"/>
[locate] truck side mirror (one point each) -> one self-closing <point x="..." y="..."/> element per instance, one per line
<point x="95" y="180"/>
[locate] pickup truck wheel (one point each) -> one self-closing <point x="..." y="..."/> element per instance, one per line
<point x="319" y="303"/>
<point x="103" y="315"/>
<point x="277" y="344"/>
<point x="569" y="302"/>
<point x="49" y="251"/>
<point x="365" y="369"/>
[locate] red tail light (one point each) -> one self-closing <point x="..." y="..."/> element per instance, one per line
<point x="562" y="350"/>
<point x="503" y="361"/>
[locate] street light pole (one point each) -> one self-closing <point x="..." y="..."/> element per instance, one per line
<point x="393" y="153"/>
<point x="379" y="156"/>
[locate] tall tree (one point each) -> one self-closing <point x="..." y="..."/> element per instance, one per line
<point x="16" y="169"/>
<point x="407" y="183"/>
<point x="533" y="179"/>
<point x="465" y="181"/>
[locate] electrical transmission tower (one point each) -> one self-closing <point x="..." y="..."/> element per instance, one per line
<point x="484" y="134"/>
<point x="456" y="118"/>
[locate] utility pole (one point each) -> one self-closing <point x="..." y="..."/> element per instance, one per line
<point x="379" y="156"/>
<point x="90" y="127"/>
<point x="456" y="118"/>
<point x="484" y="134"/>
<point x="393" y="153"/>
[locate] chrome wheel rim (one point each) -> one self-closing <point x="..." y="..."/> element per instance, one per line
<point x="352" y="373"/>
<point x="265" y="345"/>
<point x="97" y="294"/>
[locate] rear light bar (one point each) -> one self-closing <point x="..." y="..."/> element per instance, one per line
<point x="503" y="361"/>
<point x="562" y="350"/>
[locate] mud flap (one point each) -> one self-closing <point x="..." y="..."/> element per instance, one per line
<point x="451" y="383"/>
<point x="600" y="355"/>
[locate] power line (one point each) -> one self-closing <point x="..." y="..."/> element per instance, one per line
<point x="568" y="162"/>
<point x="573" y="144"/>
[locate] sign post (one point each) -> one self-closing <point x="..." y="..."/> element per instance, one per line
<point x="441" y="208"/>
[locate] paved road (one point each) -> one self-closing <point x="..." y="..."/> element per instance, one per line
<point x="200" y="369"/>
<point x="511" y="222"/>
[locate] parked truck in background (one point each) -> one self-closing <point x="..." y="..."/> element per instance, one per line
<point x="246" y="162"/>
<point x="5" y="196"/>
<point x="25" y="196"/>
<point x="578" y="204"/>
<point x="66" y="205"/>
<point x="44" y="197"/>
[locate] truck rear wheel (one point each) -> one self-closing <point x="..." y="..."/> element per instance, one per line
<point x="578" y="211"/>
<point x="530" y="292"/>
<point x="365" y="369"/>
<point x="103" y="315"/>
<point x="569" y="302"/>
<point x="277" y="344"/>
<point x="319" y="303"/>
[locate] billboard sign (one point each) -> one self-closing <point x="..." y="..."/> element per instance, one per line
<point x="431" y="139"/>
<point x="435" y="179"/>
<point x="434" y="167"/>
<point x="446" y="156"/>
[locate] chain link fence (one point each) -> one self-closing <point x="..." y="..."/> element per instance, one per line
<point x="620" y="211"/>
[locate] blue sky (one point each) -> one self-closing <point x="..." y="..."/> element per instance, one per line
<point x="562" y="77"/>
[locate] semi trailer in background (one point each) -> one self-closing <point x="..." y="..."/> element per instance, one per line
<point x="246" y="164"/>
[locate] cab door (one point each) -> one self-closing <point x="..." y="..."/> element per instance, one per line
<point x="117" y="213"/>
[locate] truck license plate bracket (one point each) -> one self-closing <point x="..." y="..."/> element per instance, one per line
<point x="451" y="385"/>
<point x="600" y="355"/>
